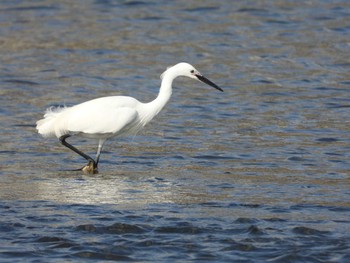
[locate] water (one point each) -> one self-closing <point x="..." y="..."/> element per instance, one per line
<point x="257" y="173"/>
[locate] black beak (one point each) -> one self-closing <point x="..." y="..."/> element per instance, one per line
<point x="207" y="81"/>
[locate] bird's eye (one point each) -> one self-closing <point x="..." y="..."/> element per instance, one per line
<point x="192" y="71"/>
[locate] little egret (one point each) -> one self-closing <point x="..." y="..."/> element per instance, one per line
<point x="107" y="117"/>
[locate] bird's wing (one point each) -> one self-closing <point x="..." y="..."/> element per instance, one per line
<point x="101" y="118"/>
<point x="112" y="122"/>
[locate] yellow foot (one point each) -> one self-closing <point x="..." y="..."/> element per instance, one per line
<point x="90" y="168"/>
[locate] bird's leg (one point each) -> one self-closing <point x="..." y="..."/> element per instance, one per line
<point x="91" y="167"/>
<point x="99" y="149"/>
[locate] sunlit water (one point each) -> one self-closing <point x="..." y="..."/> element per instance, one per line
<point x="257" y="173"/>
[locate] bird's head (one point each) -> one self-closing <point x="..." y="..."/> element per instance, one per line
<point x="187" y="70"/>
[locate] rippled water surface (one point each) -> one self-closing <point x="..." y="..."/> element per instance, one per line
<point x="257" y="173"/>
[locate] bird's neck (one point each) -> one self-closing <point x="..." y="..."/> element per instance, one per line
<point x="164" y="95"/>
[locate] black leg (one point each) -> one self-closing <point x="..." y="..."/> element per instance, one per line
<point x="87" y="157"/>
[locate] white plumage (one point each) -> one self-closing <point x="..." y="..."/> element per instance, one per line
<point x="108" y="117"/>
<point x="105" y="117"/>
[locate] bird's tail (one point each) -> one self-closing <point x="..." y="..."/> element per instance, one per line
<point x="46" y="126"/>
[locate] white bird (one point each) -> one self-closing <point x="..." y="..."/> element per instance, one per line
<point x="107" y="117"/>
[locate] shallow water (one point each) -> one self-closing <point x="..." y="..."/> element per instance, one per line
<point x="257" y="173"/>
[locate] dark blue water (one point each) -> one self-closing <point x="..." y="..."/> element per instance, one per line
<point x="259" y="173"/>
<point x="166" y="232"/>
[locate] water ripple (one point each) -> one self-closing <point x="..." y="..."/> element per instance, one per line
<point x="259" y="173"/>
